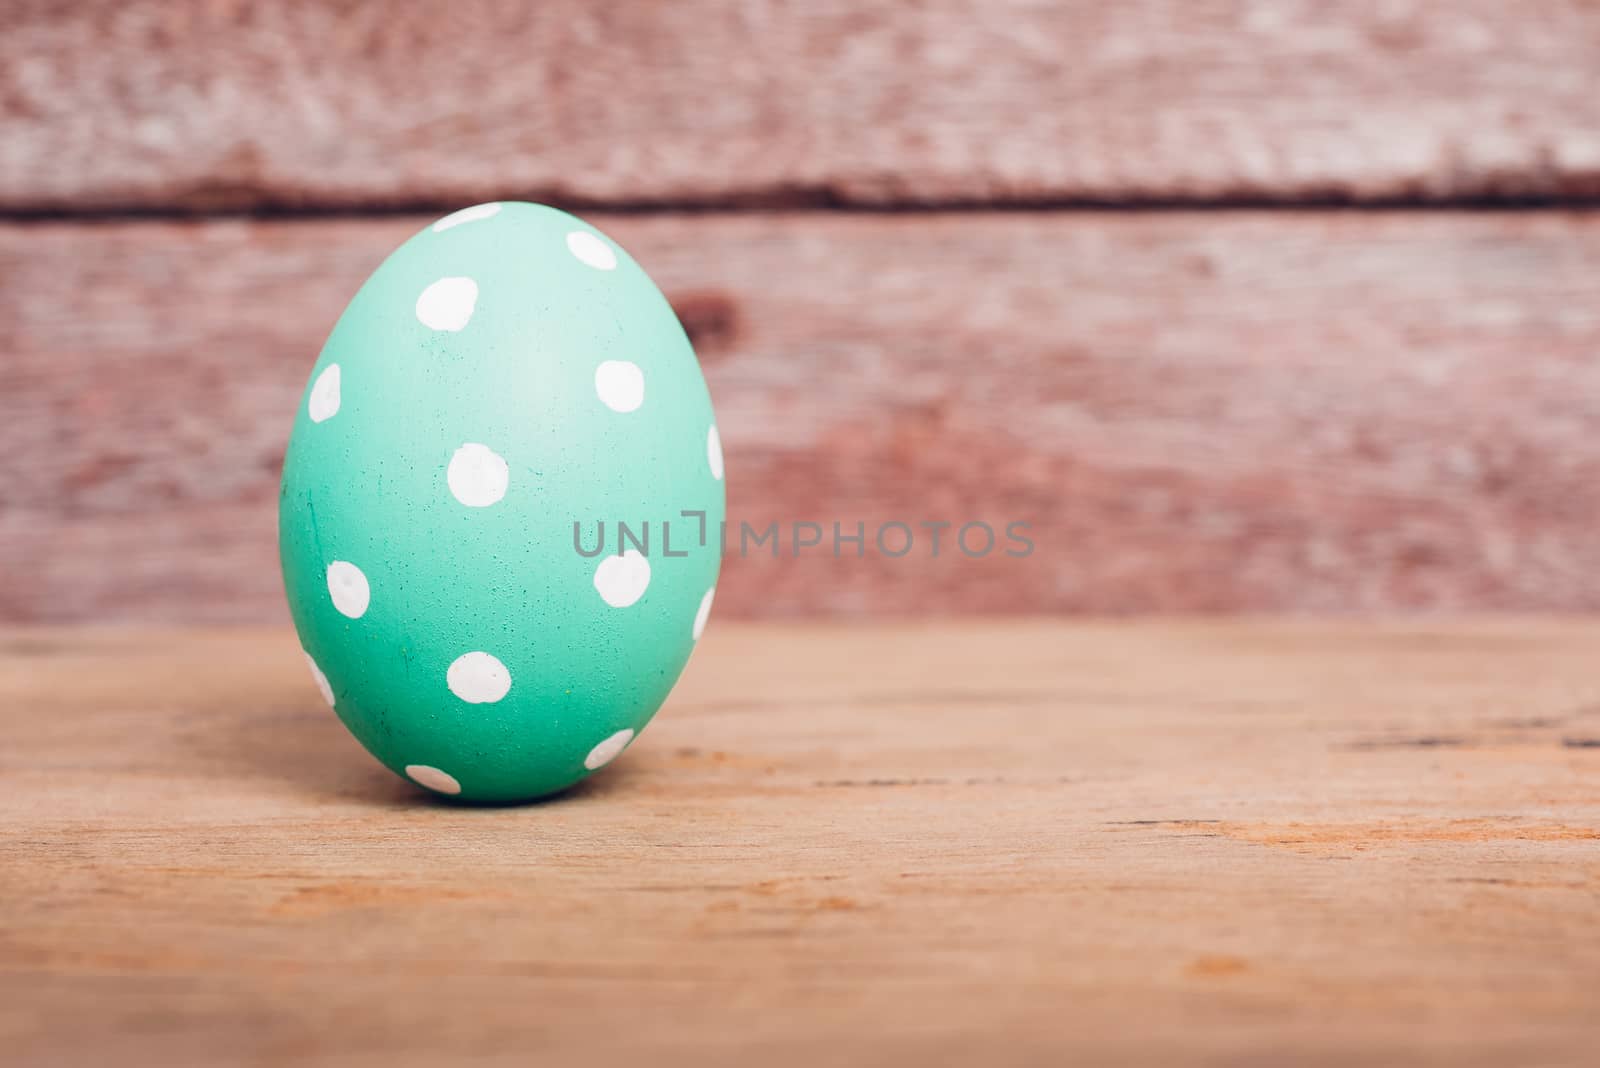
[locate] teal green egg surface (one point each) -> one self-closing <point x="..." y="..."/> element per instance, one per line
<point x="506" y="374"/>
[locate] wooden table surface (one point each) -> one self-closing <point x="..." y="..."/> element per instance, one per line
<point x="1241" y="843"/>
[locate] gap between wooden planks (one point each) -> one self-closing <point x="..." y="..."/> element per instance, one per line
<point x="1201" y="411"/>
<point x="1162" y="843"/>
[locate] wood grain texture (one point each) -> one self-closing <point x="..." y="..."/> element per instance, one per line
<point x="1196" y="412"/>
<point x="116" y="105"/>
<point x="1014" y="843"/>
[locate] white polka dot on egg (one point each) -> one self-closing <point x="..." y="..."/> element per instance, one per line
<point x="323" y="404"/>
<point x="714" y="453"/>
<point x="477" y="475"/>
<point x="321" y="679"/>
<point x="591" y="250"/>
<point x="448" y="304"/>
<point x="478" y="678"/>
<point x="434" y="779"/>
<point x="348" y="587"/>
<point x="466" y="215"/>
<point x="620" y="385"/>
<point x="623" y="579"/>
<point x="608" y="750"/>
<point x="704" y="613"/>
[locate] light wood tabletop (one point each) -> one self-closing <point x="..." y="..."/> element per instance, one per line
<point x="998" y="843"/>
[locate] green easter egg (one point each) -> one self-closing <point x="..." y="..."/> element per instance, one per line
<point x="505" y="389"/>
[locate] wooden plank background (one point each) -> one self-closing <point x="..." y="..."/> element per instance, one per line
<point x="299" y="103"/>
<point x="1200" y="412"/>
<point x="1280" y="406"/>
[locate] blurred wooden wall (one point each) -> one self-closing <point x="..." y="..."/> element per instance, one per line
<point x="1244" y="305"/>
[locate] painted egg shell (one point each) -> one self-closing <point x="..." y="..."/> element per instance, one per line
<point x="507" y="373"/>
